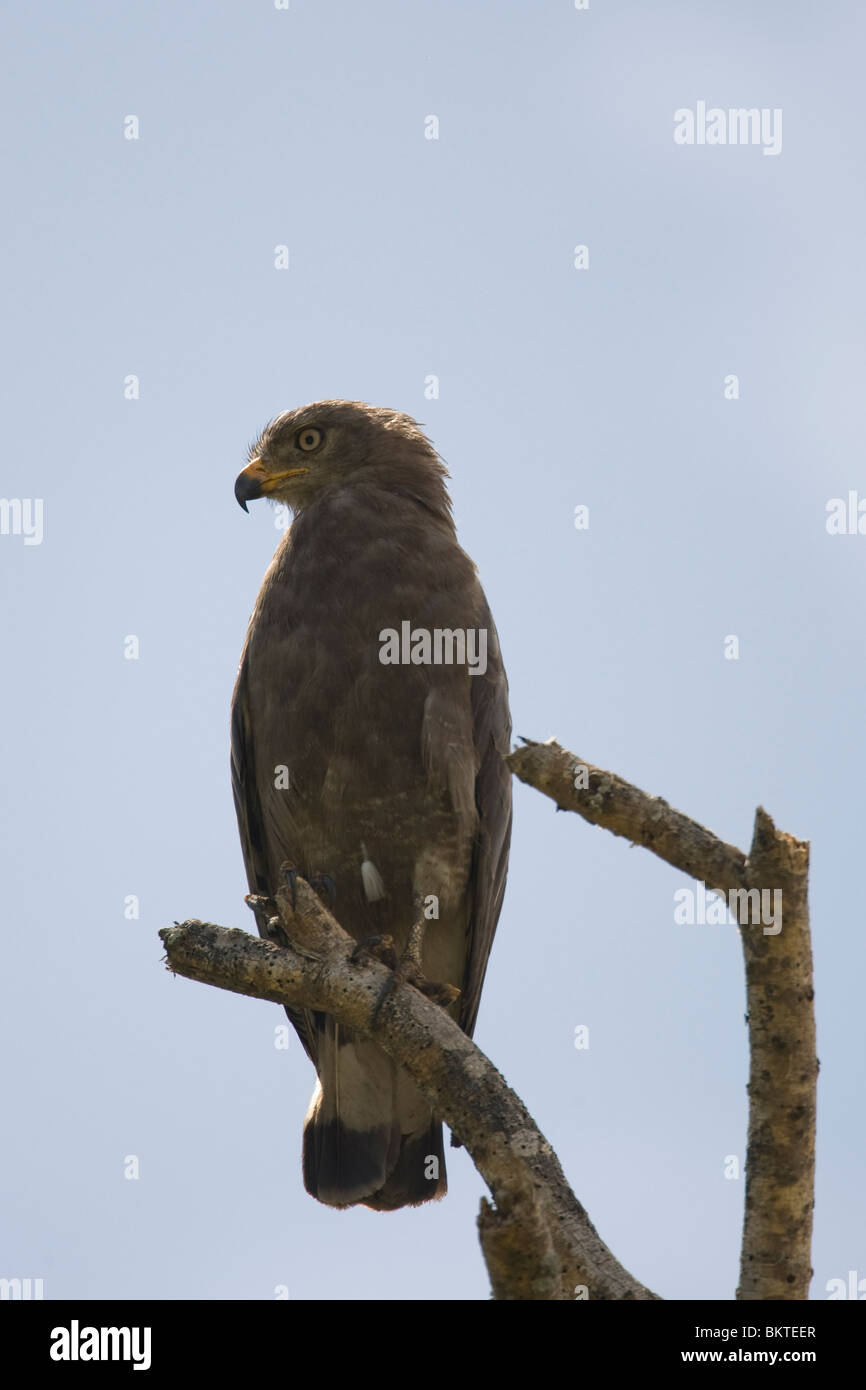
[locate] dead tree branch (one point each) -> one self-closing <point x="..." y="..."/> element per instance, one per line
<point x="783" y="1069"/>
<point x="538" y="1241"/>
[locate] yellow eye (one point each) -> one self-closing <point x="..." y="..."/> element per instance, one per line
<point x="309" y="438"/>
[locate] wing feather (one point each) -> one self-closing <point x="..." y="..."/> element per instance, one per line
<point x="251" y="827"/>
<point x="491" y="725"/>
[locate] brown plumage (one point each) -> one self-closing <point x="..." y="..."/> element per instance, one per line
<point x="394" y="783"/>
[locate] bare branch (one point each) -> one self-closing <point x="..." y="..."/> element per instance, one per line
<point x="538" y="1240"/>
<point x="783" y="1075"/>
<point x="783" y="1069"/>
<point x="626" y="810"/>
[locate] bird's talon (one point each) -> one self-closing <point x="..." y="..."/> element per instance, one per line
<point x="326" y="888"/>
<point x="409" y="969"/>
<point x="289" y="875"/>
<point x="440" y="994"/>
<point x="260" y="902"/>
<point x="381" y="948"/>
<point x="277" y="933"/>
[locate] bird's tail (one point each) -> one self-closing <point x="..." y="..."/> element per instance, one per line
<point x="370" y="1136"/>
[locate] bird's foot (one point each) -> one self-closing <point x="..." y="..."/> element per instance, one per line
<point x="260" y="902"/>
<point x="267" y="918"/>
<point x="409" y="970"/>
<point x="381" y="948"/>
<point x="321" y="883"/>
<point x="326" y="888"/>
<point x="289" y="875"/>
<point x="441" y="994"/>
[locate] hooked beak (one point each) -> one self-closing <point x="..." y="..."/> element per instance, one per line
<point x="249" y="483"/>
<point x="255" y="481"/>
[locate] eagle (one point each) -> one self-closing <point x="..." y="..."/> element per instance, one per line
<point x="368" y="727"/>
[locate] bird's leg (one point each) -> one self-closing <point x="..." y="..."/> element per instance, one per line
<point x="409" y="969"/>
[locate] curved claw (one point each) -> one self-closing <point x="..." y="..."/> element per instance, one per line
<point x="326" y="888"/>
<point x="289" y="875"/>
<point x="381" y="948"/>
<point x="260" y="902"/>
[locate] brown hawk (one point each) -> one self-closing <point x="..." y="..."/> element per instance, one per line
<point x="369" y="722"/>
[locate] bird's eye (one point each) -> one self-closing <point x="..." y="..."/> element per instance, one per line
<point x="309" y="438"/>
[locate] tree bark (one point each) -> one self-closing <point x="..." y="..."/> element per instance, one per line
<point x="537" y="1239"/>
<point x="783" y="1067"/>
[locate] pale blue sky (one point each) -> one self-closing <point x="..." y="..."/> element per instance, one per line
<point x="557" y="387"/>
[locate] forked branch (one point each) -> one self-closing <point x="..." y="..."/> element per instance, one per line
<point x="537" y="1239"/>
<point x="783" y="1066"/>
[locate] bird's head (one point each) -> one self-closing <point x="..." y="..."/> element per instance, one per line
<point x="304" y="451"/>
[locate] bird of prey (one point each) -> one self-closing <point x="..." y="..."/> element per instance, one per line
<point x="369" y="722"/>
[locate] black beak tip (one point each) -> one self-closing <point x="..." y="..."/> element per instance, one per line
<point x="246" y="489"/>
